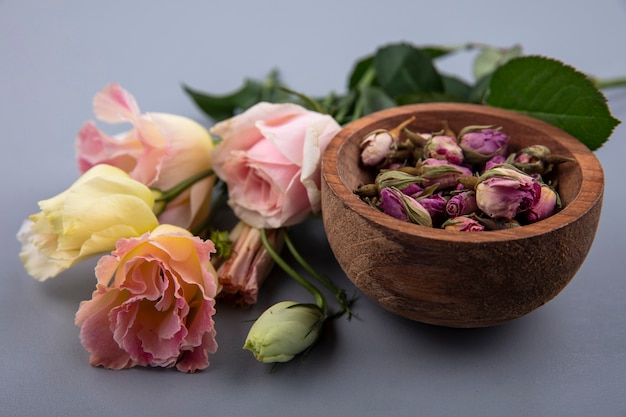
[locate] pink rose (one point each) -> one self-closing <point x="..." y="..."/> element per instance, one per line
<point x="153" y="303"/>
<point x="160" y="151"/>
<point x="270" y="159"/>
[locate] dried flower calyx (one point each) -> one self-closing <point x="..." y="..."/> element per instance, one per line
<point x="465" y="182"/>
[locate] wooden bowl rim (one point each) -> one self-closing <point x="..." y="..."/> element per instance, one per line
<point x="589" y="194"/>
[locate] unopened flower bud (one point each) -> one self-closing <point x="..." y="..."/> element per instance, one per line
<point x="504" y="192"/>
<point x="435" y="204"/>
<point x="538" y="159"/>
<point x="544" y="207"/>
<point x="435" y="171"/>
<point x="403" y="207"/>
<point x="283" y="331"/>
<point x="463" y="224"/>
<point x="494" y="161"/>
<point x="376" y="147"/>
<point x="444" y="148"/>
<point x="461" y="204"/>
<point x="403" y="181"/>
<point x="481" y="143"/>
<point x="382" y="144"/>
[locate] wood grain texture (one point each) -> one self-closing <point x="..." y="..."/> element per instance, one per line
<point x="450" y="278"/>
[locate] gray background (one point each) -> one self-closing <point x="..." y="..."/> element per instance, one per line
<point x="567" y="358"/>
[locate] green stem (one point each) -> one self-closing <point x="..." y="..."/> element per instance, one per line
<point x="340" y="294"/>
<point x="610" y="82"/>
<point x="168" y="195"/>
<point x="313" y="103"/>
<point x="215" y="206"/>
<point x="319" y="297"/>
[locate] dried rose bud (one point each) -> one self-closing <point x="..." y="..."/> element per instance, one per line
<point x="504" y="192"/>
<point x="444" y="148"/>
<point x="537" y="159"/>
<point x="403" y="181"/>
<point x="545" y="206"/>
<point x="463" y="224"/>
<point x="532" y="154"/>
<point x="403" y="207"/>
<point x="380" y="144"/>
<point x="435" y="204"/>
<point x="494" y="161"/>
<point x="461" y="204"/>
<point x="376" y="147"/>
<point x="480" y="143"/>
<point x="436" y="171"/>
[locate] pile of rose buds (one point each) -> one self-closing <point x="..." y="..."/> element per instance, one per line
<point x="465" y="182"/>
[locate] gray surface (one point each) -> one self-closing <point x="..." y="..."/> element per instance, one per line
<point x="566" y="359"/>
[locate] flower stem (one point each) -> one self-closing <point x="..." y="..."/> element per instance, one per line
<point x="611" y="82"/>
<point x="170" y="194"/>
<point x="313" y="103"/>
<point x="319" y="297"/>
<point x="340" y="294"/>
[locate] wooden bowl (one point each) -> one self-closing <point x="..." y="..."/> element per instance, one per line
<point x="459" y="279"/>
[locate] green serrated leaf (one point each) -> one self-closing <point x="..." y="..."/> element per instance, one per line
<point x="556" y="93"/>
<point x="403" y="69"/>
<point x="222" y="107"/>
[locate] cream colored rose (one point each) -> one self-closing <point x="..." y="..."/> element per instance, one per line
<point x="103" y="205"/>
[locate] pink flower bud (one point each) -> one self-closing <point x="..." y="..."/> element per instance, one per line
<point x="494" y="161"/>
<point x="480" y="145"/>
<point x="403" y="207"/>
<point x="405" y="182"/>
<point x="544" y="207"/>
<point x="435" y="204"/>
<point x="502" y="192"/>
<point x="460" y="204"/>
<point x="436" y="171"/>
<point x="376" y="147"/>
<point x="444" y="148"/>
<point x="463" y="224"/>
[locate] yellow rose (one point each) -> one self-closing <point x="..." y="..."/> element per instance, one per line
<point x="103" y="205"/>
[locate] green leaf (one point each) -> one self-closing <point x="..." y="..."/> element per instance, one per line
<point x="403" y="69"/>
<point x="490" y="58"/>
<point x="457" y="88"/>
<point x="343" y="107"/>
<point x="480" y="89"/>
<point x="362" y="74"/>
<point x="556" y="93"/>
<point x="374" y="98"/>
<point x="222" y="107"/>
<point x="440" y="51"/>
